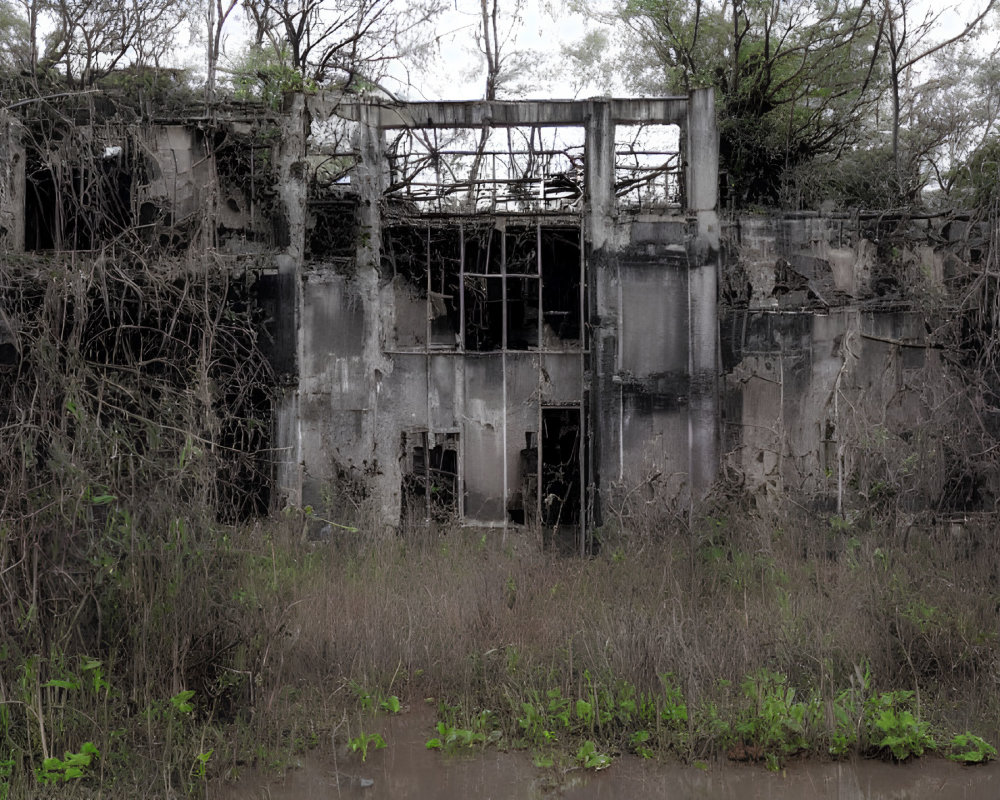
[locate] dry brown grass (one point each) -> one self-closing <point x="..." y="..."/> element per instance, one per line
<point x="482" y="619"/>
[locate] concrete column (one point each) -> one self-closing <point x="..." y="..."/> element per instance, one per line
<point x="600" y="172"/>
<point x="380" y="431"/>
<point x="288" y="262"/>
<point x="703" y="257"/>
<point x="603" y="299"/>
<point x="703" y="169"/>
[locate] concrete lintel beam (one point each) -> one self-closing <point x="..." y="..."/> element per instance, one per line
<point x="474" y="113"/>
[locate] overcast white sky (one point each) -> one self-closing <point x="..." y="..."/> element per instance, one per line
<point x="456" y="72"/>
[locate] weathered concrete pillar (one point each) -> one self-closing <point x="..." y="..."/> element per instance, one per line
<point x="370" y="179"/>
<point x="292" y="191"/>
<point x="603" y="298"/>
<point x="703" y="257"/>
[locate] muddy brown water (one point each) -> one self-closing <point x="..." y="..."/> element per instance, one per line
<point x="406" y="769"/>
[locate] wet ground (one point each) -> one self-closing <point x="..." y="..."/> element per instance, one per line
<point x="406" y="769"/>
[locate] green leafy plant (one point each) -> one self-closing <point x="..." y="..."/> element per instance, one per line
<point x="893" y="726"/>
<point x="373" y="701"/>
<point x="535" y="725"/>
<point x="391" y="704"/>
<point x="639" y="742"/>
<point x="589" y="758"/>
<point x="181" y="702"/>
<point x="967" y="748"/>
<point x="674" y="712"/>
<point x="70" y="767"/>
<point x="365" y="741"/>
<point x="848" y="712"/>
<point x="6" y="768"/>
<point x="777" y="722"/>
<point x="451" y="739"/>
<point x="200" y="766"/>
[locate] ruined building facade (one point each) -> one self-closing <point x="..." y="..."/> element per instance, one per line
<point x="505" y="313"/>
<point x="527" y="313"/>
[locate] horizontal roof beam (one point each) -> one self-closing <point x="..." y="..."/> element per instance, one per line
<point x="498" y="113"/>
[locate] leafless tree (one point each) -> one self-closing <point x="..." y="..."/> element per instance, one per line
<point x="92" y="38"/>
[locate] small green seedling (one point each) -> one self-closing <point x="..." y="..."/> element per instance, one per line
<point x="361" y="743"/>
<point x="392" y="705"/>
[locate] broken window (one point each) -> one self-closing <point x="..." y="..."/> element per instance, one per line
<point x="480" y="289"/>
<point x="562" y="290"/>
<point x="520" y="168"/>
<point x="430" y="475"/>
<point x="425" y="264"/>
<point x="444" y="260"/>
<point x="648" y="166"/>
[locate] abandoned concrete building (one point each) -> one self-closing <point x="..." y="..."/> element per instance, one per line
<point x="506" y="312"/>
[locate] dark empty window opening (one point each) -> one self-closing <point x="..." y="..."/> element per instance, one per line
<point x="404" y="254"/>
<point x="522" y="313"/>
<point x="521" y="250"/>
<point x="561" y="283"/>
<point x="77" y="207"/>
<point x="522" y="508"/>
<point x="333" y="228"/>
<point x="428" y="261"/>
<point x="42" y="213"/>
<point x="561" y="490"/>
<point x="430" y="475"/>
<point x="483" y="251"/>
<point x="484" y="309"/>
<point x="444" y="258"/>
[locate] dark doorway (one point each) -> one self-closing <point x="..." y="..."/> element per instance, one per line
<point x="561" y="486"/>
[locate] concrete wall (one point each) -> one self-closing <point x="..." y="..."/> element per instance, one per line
<point x="834" y="386"/>
<point x="636" y="388"/>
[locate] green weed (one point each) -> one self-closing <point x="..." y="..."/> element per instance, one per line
<point x="451" y="739"/>
<point x="71" y="766"/>
<point x="967" y="748"/>
<point x="589" y="758"/>
<point x="363" y="741"/>
<point x="893" y="726"/>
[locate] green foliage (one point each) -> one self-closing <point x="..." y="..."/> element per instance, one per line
<point x="6" y="768"/>
<point x="181" y="702"/>
<point x="451" y="739"/>
<point x="967" y="748"/>
<point x="363" y="741"/>
<point x="790" y="77"/>
<point x="893" y="727"/>
<point x="264" y="75"/>
<point x="373" y="701"/>
<point x="638" y="742"/>
<point x="776" y="722"/>
<point x="589" y="758"/>
<point x="976" y="182"/>
<point x="70" y="767"/>
<point x="200" y="765"/>
<point x="390" y="704"/>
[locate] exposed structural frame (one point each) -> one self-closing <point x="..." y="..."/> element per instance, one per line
<point x="642" y="370"/>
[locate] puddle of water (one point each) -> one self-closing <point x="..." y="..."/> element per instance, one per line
<point x="406" y="769"/>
